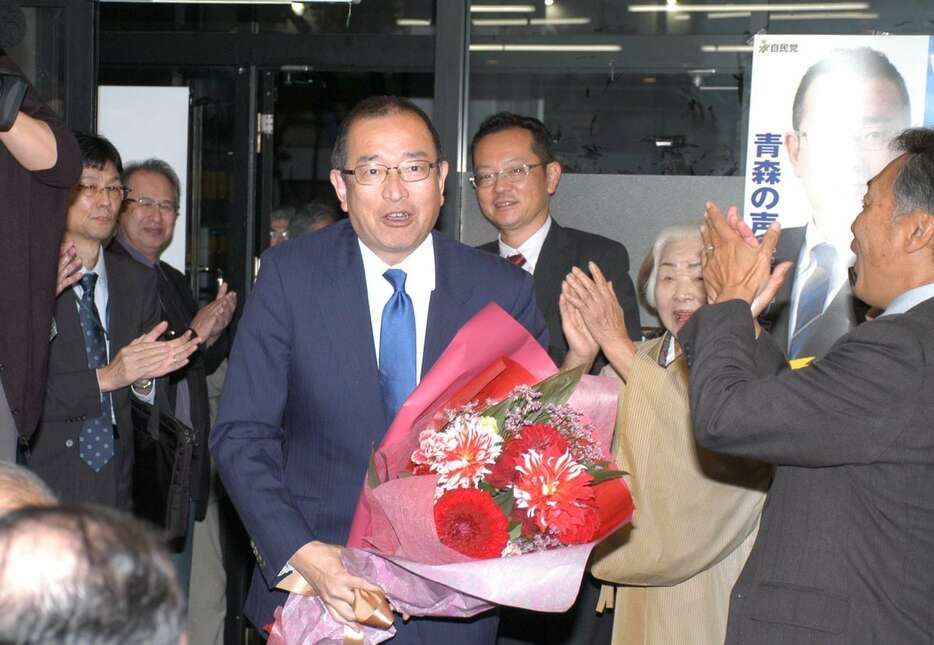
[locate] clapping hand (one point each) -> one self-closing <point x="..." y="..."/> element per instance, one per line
<point x="68" y="267"/>
<point x="736" y="264"/>
<point x="213" y="318"/>
<point x="147" y="357"/>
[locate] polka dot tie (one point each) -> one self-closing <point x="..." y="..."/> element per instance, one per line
<point x="96" y="441"/>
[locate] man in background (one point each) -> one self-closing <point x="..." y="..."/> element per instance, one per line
<point x="847" y="109"/>
<point x="39" y="163"/>
<point x="515" y="174"/>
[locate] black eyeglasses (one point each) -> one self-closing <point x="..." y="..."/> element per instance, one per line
<point x="368" y="174"/>
<point x="512" y="174"/>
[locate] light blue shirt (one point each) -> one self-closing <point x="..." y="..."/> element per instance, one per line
<point x="905" y="301"/>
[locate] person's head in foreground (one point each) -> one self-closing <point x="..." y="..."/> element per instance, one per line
<point x="675" y="286"/>
<point x="21" y="487"/>
<point x="893" y="235"/>
<point x="388" y="174"/>
<point x="83" y="575"/>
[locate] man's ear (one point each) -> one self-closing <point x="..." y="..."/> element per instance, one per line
<point x="919" y="230"/>
<point x="793" y="145"/>
<point x="340" y="187"/>
<point x="553" y="176"/>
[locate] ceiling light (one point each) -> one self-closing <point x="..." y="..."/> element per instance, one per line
<point x="727" y="16"/>
<point x="752" y="6"/>
<point x="527" y="47"/>
<point x="502" y="8"/>
<point x="548" y="3"/>
<point x="726" y="49"/>
<point x="854" y="15"/>
<point x="500" y="22"/>
<point x="718" y="88"/>
<point x="413" y="22"/>
<point x="559" y="21"/>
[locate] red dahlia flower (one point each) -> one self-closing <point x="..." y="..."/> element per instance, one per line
<point x="556" y="491"/>
<point x="539" y="437"/>
<point x="470" y="522"/>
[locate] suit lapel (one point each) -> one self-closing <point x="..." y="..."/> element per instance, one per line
<point x="445" y="310"/>
<point x="347" y="320"/>
<point x="554" y="263"/>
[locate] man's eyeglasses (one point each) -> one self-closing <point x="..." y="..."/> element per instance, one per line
<point x="512" y="174"/>
<point x="368" y="174"/>
<point x="148" y="204"/>
<point x="114" y="192"/>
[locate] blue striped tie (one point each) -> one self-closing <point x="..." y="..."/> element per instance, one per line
<point x="96" y="441"/>
<point x="812" y="297"/>
<point x="397" y="345"/>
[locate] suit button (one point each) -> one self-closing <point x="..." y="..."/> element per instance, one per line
<point x="14" y="411"/>
<point x="69" y="443"/>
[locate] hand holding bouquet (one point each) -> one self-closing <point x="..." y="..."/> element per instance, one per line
<point x="492" y="486"/>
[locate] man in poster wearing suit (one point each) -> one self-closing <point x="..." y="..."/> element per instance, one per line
<point x="845" y="552"/>
<point x="339" y="326"/>
<point x="846" y="110"/>
<point x="515" y="173"/>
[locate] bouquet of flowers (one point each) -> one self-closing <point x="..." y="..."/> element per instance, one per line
<point x="492" y="486"/>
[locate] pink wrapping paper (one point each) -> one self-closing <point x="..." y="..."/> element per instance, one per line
<point x="396" y="545"/>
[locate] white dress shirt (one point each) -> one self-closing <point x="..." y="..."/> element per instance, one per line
<point x="908" y="299"/>
<point x="102" y="303"/>
<point x="530" y="249"/>
<point x="419" y="269"/>
<point x="805" y="266"/>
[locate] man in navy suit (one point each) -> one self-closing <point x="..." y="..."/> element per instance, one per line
<point x="322" y="349"/>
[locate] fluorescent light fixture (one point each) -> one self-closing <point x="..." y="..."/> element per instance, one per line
<point x="851" y="15"/>
<point x="548" y="3"/>
<point x="751" y="6"/>
<point x="718" y="88"/>
<point x="288" y="2"/>
<point x="525" y="22"/>
<point x="729" y="15"/>
<point x="726" y="49"/>
<point x="680" y="17"/>
<point x="413" y="22"/>
<point x="528" y="47"/>
<point x="500" y="22"/>
<point x="663" y="143"/>
<point x="502" y="8"/>
<point x="559" y="21"/>
<point x="706" y="70"/>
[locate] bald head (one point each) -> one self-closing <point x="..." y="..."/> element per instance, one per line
<point x="20" y="487"/>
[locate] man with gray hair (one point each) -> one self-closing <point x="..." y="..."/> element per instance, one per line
<point x="85" y="575"/>
<point x="845" y="552"/>
<point x="20" y="487"/>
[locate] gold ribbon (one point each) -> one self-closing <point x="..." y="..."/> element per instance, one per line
<point x="370" y="608"/>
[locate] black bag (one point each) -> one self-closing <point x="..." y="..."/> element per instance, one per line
<point x="163" y="448"/>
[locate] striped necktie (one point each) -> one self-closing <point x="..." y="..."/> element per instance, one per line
<point x="812" y="297"/>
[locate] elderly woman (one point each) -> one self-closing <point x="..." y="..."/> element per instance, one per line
<point x="696" y="512"/>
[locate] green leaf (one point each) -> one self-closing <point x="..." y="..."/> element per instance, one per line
<point x="504" y="500"/>
<point x="557" y="389"/>
<point x="515" y="530"/>
<point x="487" y="488"/>
<point x="372" y="477"/>
<point x="605" y="475"/>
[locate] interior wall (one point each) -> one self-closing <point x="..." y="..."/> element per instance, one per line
<point x="628" y="208"/>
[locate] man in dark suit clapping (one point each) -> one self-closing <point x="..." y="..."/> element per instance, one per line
<point x="845" y="552"/>
<point x="515" y="173"/>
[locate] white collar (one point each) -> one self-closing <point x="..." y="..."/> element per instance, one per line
<point x="530" y="249"/>
<point x="419" y="265"/>
<point x="100" y="268"/>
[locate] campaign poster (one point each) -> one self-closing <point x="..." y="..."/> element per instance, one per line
<point x="823" y="112"/>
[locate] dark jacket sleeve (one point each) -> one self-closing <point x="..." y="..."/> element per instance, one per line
<point x="846" y="408"/>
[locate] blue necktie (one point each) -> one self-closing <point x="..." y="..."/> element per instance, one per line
<point x="812" y="297"/>
<point x="96" y="441"/>
<point x="397" y="345"/>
